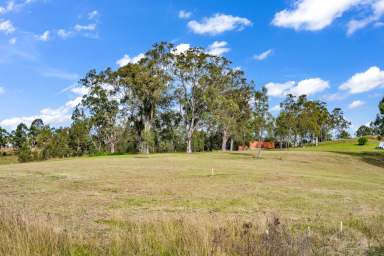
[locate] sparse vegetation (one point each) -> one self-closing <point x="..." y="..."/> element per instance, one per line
<point x="362" y="141"/>
<point x="172" y="204"/>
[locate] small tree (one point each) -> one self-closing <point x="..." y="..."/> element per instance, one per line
<point x="362" y="141"/>
<point x="364" y="131"/>
<point x="25" y="153"/>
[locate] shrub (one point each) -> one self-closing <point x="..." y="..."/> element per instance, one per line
<point x="362" y="141"/>
<point x="25" y="153"/>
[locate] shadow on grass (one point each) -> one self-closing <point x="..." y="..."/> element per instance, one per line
<point x="373" y="158"/>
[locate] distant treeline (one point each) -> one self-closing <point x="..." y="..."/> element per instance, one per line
<point x="173" y="101"/>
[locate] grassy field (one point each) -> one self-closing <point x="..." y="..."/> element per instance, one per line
<point x="200" y="204"/>
<point x="10" y="159"/>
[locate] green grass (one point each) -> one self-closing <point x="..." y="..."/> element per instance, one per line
<point x="347" y="146"/>
<point x="101" y="196"/>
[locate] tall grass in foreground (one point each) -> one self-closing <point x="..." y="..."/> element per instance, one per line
<point x="21" y="236"/>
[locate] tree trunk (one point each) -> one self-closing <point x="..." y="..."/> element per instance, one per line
<point x="189" y="141"/>
<point x="232" y="144"/>
<point x="225" y="140"/>
<point x="112" y="148"/>
<point x="317" y="141"/>
<point x="147" y="136"/>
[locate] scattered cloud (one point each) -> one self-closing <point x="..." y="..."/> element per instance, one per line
<point x="184" y="14"/>
<point x="64" y="34"/>
<point x="44" y="37"/>
<point x="377" y="12"/>
<point x="335" y="96"/>
<point x="52" y="116"/>
<point x="7" y="27"/>
<point x="12" y="6"/>
<point x="127" y="59"/>
<point x="279" y="89"/>
<point x="218" y="24"/>
<point x="13" y="41"/>
<point x="93" y="15"/>
<point x="218" y="48"/>
<point x="89" y="27"/>
<point x="60" y="74"/>
<point x="2" y="90"/>
<point x="366" y="81"/>
<point x="9" y="7"/>
<point x="356" y="104"/>
<point x="263" y="55"/>
<point x="305" y="87"/>
<point x="312" y="15"/>
<point x="315" y="15"/>
<point x="181" y="48"/>
<point x="275" y="108"/>
<point x="58" y="116"/>
<point x="309" y="87"/>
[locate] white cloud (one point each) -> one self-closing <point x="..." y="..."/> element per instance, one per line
<point x="79" y="90"/>
<point x="335" y="96"/>
<point x="9" y="7"/>
<point x="64" y="34"/>
<point x="377" y="12"/>
<point x="73" y="103"/>
<point x="181" y="48"/>
<point x="276" y="108"/>
<point x="366" y="81"/>
<point x="218" y="24"/>
<point x="2" y="90"/>
<point x="263" y="55"/>
<point x="356" y="104"/>
<point x="93" y="15"/>
<point x="184" y="14"/>
<point x="314" y="15"/>
<point x="13" y="6"/>
<point x="127" y="59"/>
<point x="13" y="41"/>
<point x="60" y="74"/>
<point x="7" y="26"/>
<point x="50" y="116"/>
<point x="89" y="27"/>
<point x="279" y="89"/>
<point x="218" y="48"/>
<point x="305" y="87"/>
<point x="44" y="37"/>
<point x="309" y="87"/>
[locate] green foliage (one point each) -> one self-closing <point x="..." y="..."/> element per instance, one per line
<point x="173" y="101"/>
<point x="4" y="137"/>
<point x="25" y="153"/>
<point x="362" y="141"/>
<point x="343" y="135"/>
<point x="20" y="136"/>
<point x="364" y="131"/>
<point x="305" y="121"/>
<point x="198" y="140"/>
<point x="378" y="124"/>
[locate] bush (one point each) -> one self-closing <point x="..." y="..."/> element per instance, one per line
<point x="25" y="153"/>
<point x="362" y="141"/>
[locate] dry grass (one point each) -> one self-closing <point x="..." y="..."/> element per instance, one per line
<point x="170" y="203"/>
<point x="24" y="235"/>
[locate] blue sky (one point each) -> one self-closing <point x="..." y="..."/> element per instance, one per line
<point x="332" y="51"/>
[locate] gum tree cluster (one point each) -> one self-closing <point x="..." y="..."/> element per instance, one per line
<point x="173" y="101"/>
